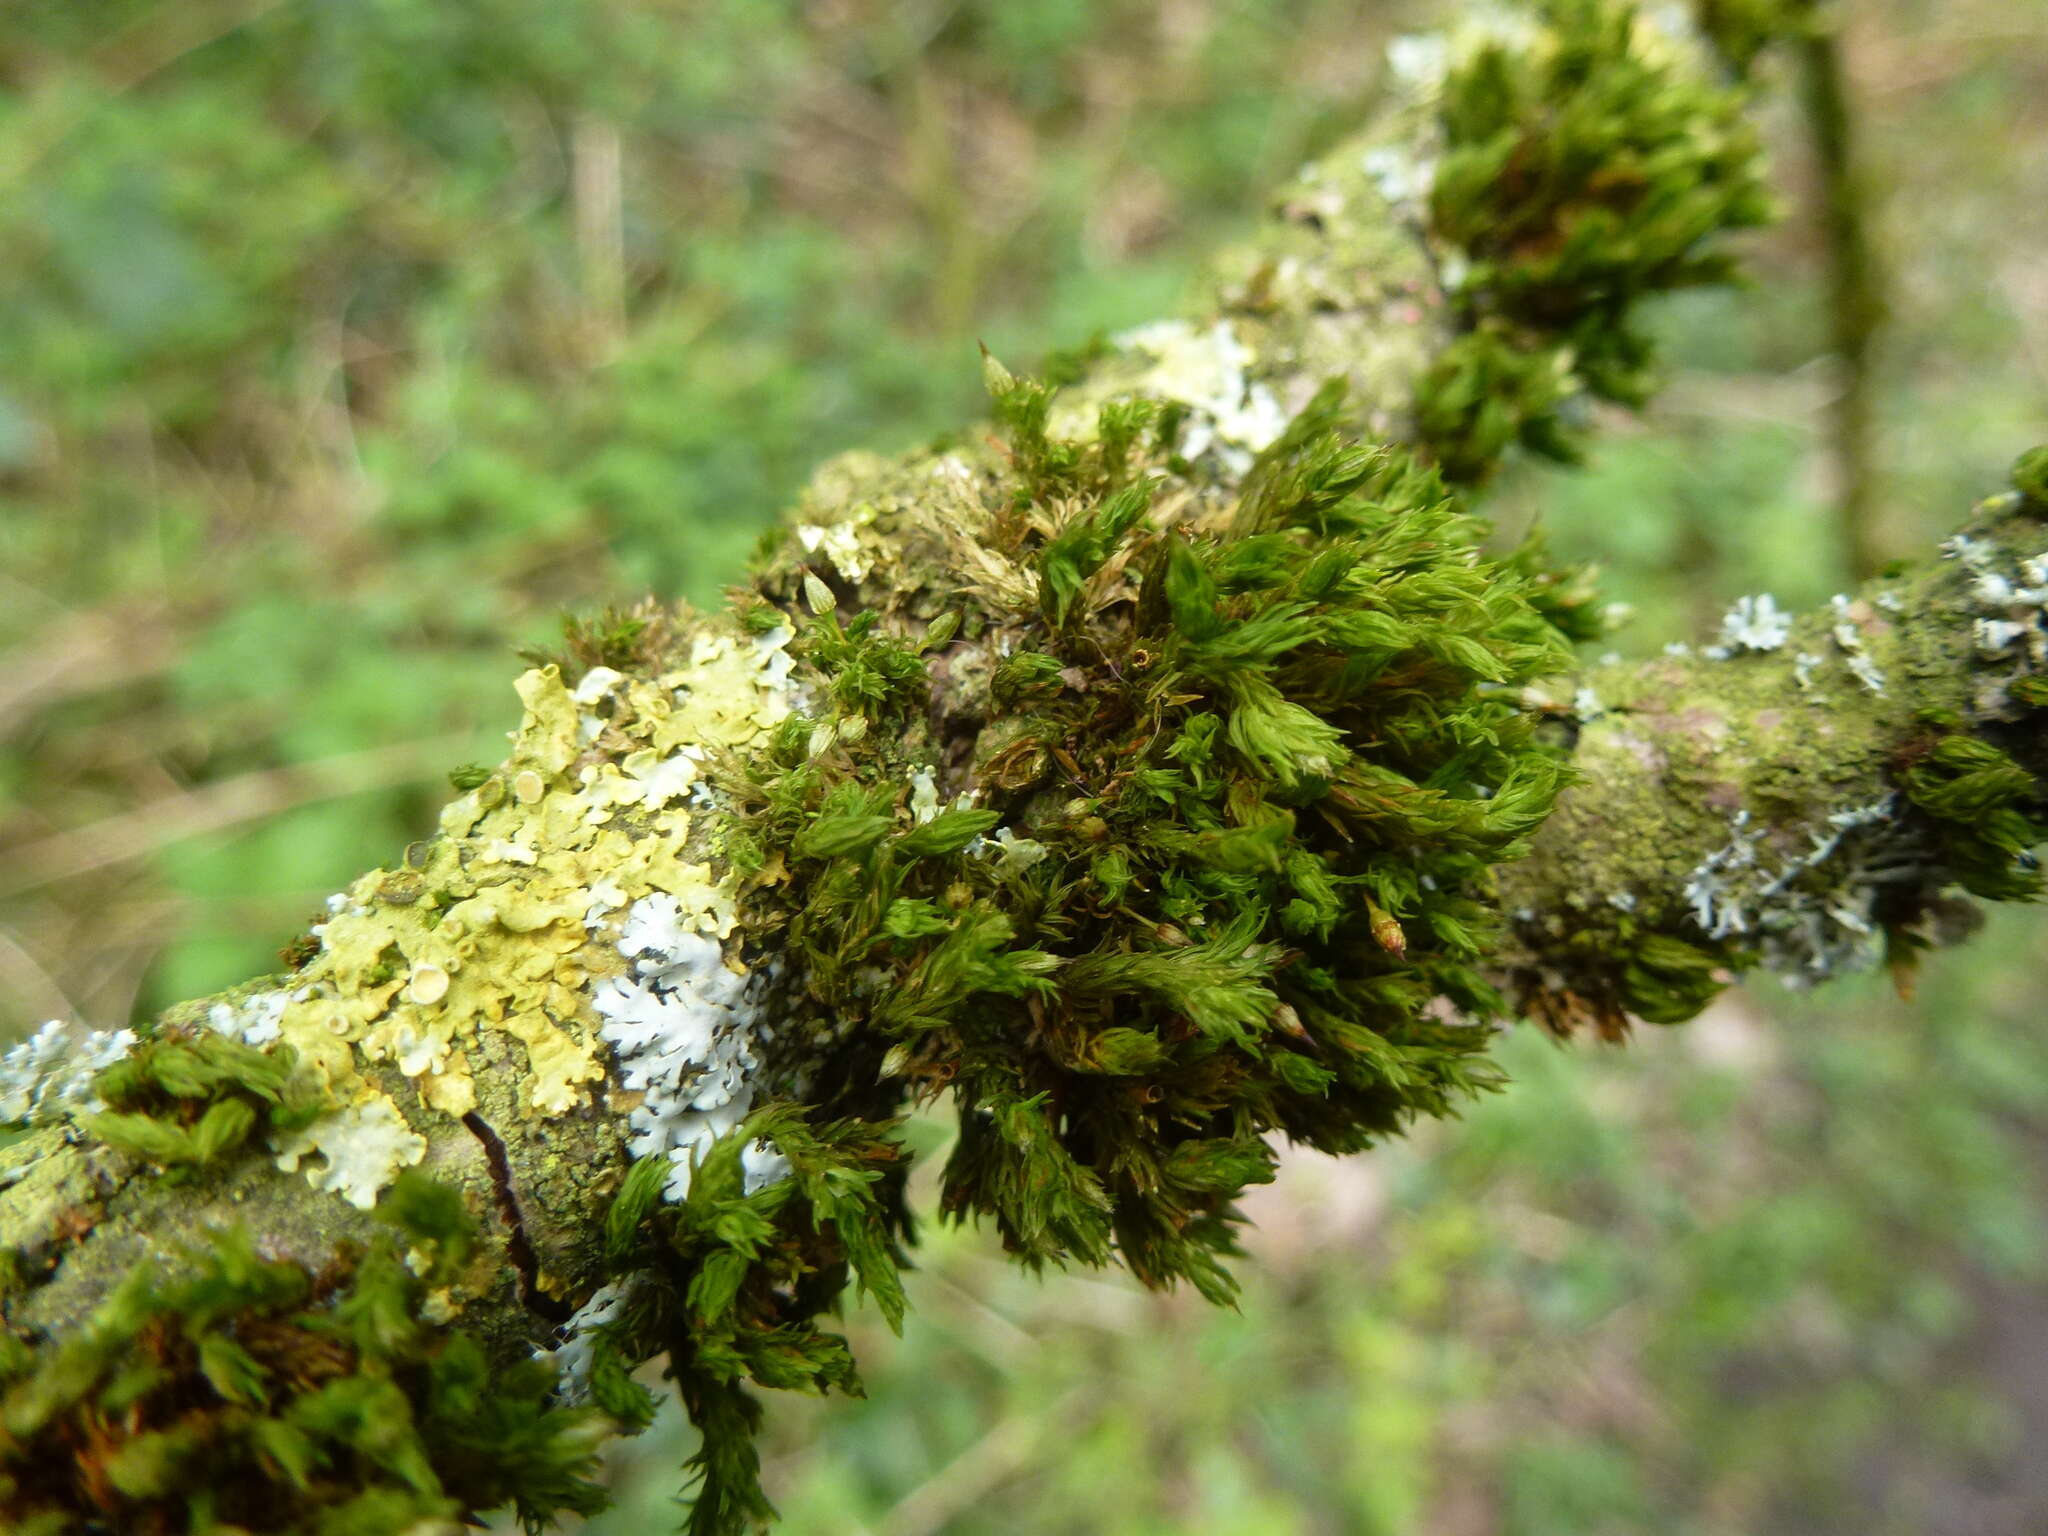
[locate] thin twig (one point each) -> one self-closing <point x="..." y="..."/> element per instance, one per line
<point x="1856" y="305"/>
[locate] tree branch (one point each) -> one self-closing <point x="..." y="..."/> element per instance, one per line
<point x="1805" y="794"/>
<point x="1148" y="776"/>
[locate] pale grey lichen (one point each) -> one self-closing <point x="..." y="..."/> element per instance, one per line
<point x="1867" y="672"/>
<point x="1977" y="554"/>
<point x="1014" y="854"/>
<point x="596" y="684"/>
<point x="1755" y="624"/>
<point x="841" y="543"/>
<point x="1996" y="637"/>
<point x="683" y="1026"/>
<point x="1710" y="892"/>
<point x="761" y="1164"/>
<point x="1402" y="176"/>
<point x="577" y="1353"/>
<point x="924" y="796"/>
<point x="362" y="1147"/>
<point x="1206" y="369"/>
<point x="1809" y="914"/>
<point x="1419" y="61"/>
<point x="255" y="1020"/>
<point x="50" y="1074"/>
<point x="1849" y="639"/>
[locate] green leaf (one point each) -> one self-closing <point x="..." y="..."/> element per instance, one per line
<point x="638" y="1197"/>
<point x="914" y="918"/>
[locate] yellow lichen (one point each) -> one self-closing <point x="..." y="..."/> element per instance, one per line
<point x="546" y="740"/>
<point x="558" y="1064"/>
<point x="501" y="923"/>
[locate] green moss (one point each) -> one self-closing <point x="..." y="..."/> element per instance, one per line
<point x="1249" y="770"/>
<point x="1578" y="175"/>
<point x="188" y="1101"/>
<point x="2030" y="476"/>
<point x="729" y="1284"/>
<point x="254" y="1397"/>
<point x="1988" y="810"/>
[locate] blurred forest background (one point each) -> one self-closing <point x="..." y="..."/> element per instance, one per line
<point x="347" y="342"/>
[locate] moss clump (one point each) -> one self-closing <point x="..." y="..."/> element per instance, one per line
<point x="252" y="1397"/>
<point x="1987" y="810"/>
<point x="2030" y="476"/>
<point x="1578" y="175"/>
<point x="187" y="1102"/>
<point x="730" y="1281"/>
<point x="1245" y="772"/>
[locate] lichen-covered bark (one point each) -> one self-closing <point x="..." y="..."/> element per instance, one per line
<point x="1141" y="776"/>
<point x="1807" y="794"/>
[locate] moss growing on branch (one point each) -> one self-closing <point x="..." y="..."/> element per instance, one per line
<point x="1582" y="170"/>
<point x="1149" y="779"/>
<point x="254" y="1397"/>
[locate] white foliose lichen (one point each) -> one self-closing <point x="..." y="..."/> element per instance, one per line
<point x="924" y="796"/>
<point x="1419" y="60"/>
<point x="1813" y="915"/>
<point x="684" y="1027"/>
<point x="1996" y="637"/>
<point x="1849" y="639"/>
<point x="577" y="1354"/>
<point x="841" y="543"/>
<point x="1015" y="854"/>
<point x="596" y="684"/>
<point x="761" y="1164"/>
<point x="1206" y="369"/>
<point x="1867" y="672"/>
<point x="50" y="1074"/>
<point x="1403" y="177"/>
<point x="1754" y="624"/>
<point x="362" y="1147"/>
<point x="255" y="1020"/>
<point x="2011" y="602"/>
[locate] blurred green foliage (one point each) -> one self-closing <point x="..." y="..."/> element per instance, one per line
<point x="348" y="341"/>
